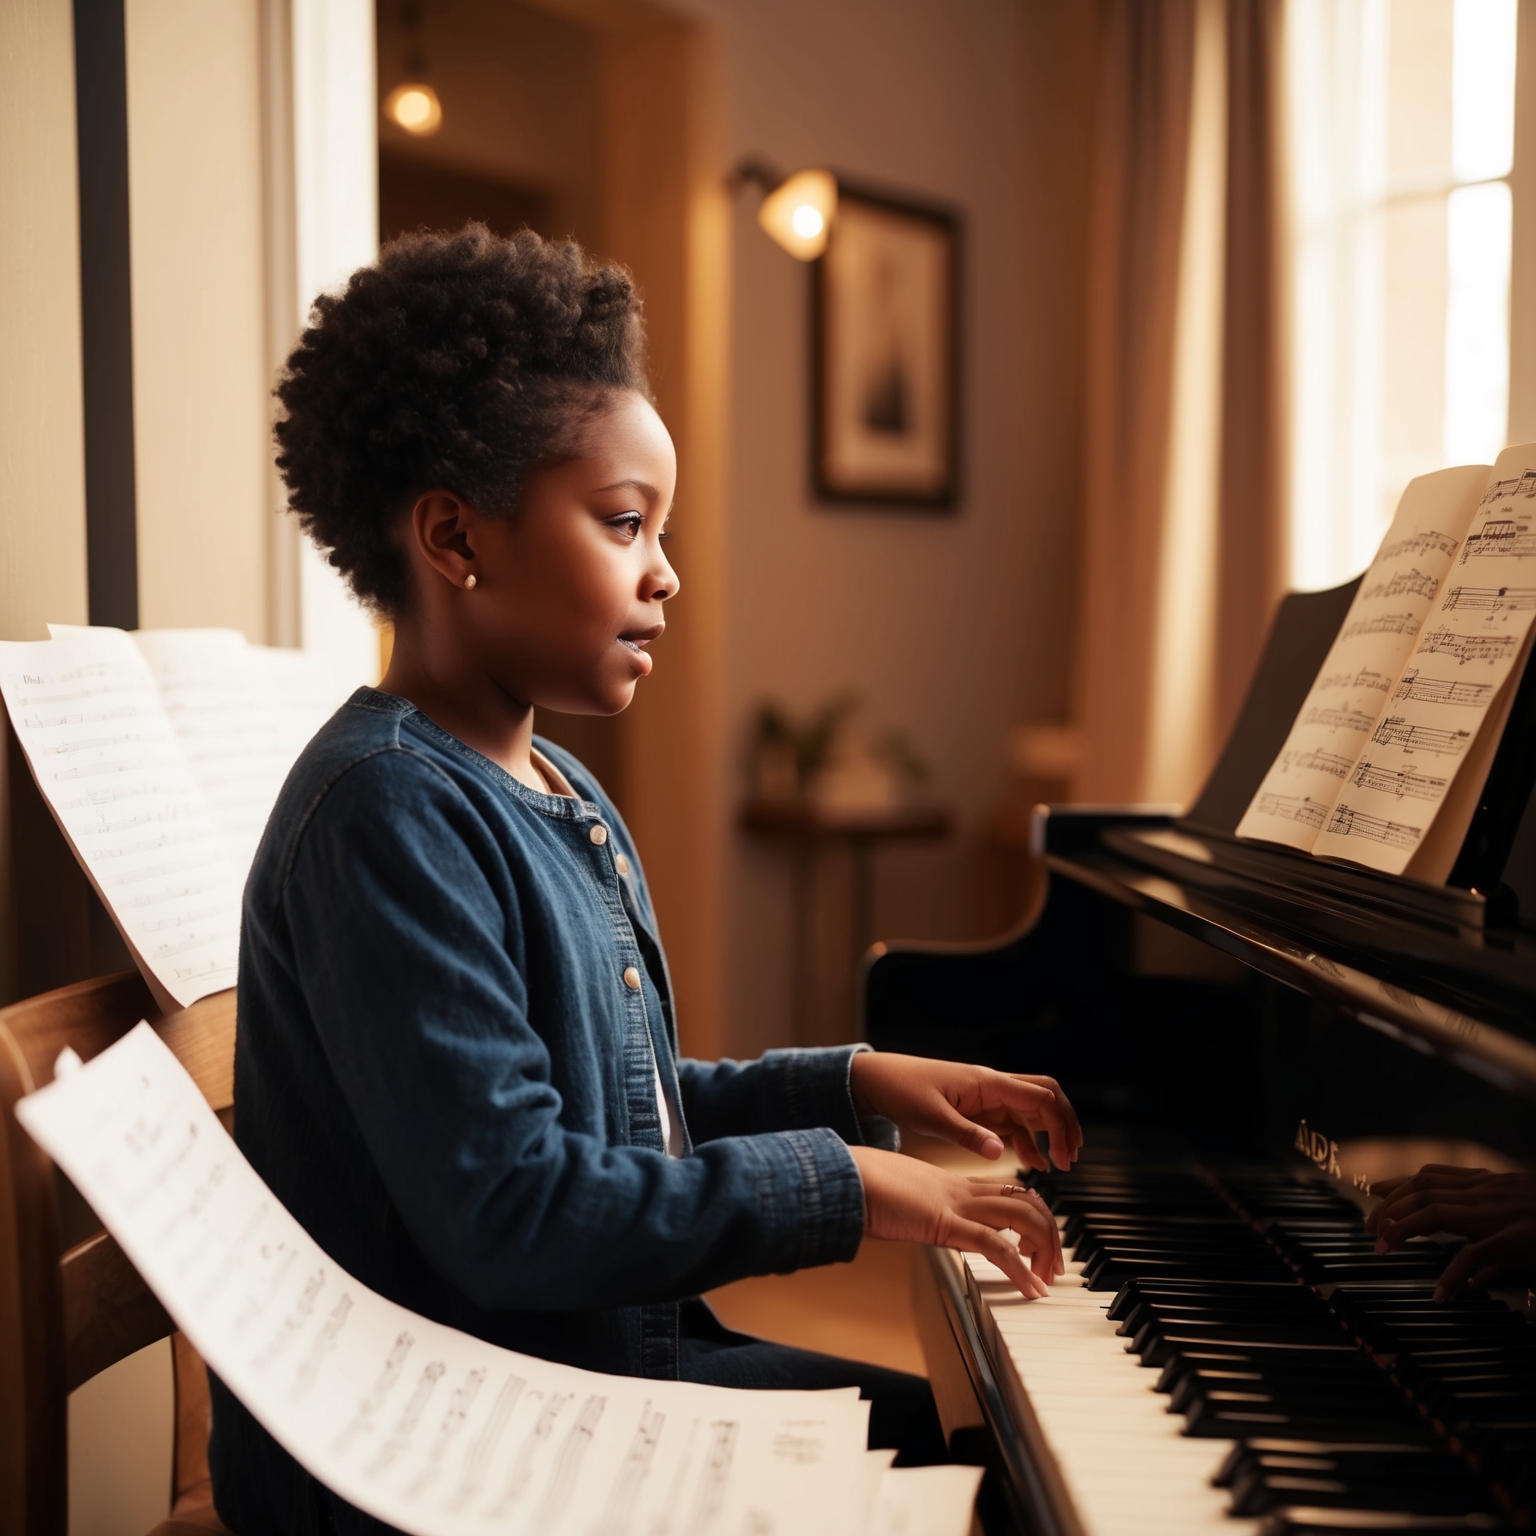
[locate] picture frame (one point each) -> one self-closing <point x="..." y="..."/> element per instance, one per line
<point x="885" y="354"/>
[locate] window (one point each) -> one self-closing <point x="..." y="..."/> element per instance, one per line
<point x="1400" y="138"/>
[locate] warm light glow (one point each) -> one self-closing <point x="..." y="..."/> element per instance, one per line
<point x="807" y="222"/>
<point x="798" y="213"/>
<point x="415" y="108"/>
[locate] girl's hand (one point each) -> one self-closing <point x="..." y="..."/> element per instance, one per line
<point x="1498" y="1210"/>
<point x="909" y="1201"/>
<point x="972" y="1106"/>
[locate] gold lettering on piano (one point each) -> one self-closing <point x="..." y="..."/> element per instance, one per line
<point x="1319" y="1149"/>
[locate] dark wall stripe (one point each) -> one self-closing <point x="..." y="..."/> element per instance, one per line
<point x="106" y="318"/>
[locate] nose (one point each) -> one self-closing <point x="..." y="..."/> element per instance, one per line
<point x="661" y="579"/>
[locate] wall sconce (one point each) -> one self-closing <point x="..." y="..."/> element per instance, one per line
<point x="414" y="105"/>
<point x="415" y="108"/>
<point x="798" y="211"/>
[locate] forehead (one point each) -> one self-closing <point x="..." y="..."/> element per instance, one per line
<point x="629" y="442"/>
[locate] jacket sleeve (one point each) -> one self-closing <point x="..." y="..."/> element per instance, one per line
<point x="408" y="945"/>
<point x="781" y="1091"/>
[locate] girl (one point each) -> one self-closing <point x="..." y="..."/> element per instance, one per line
<point x="456" y="1060"/>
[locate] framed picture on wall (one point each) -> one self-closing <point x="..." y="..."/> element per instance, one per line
<point x="886" y="354"/>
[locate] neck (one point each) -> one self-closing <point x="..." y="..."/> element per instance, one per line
<point x="454" y="693"/>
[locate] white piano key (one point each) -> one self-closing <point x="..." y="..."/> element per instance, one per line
<point x="1122" y="1457"/>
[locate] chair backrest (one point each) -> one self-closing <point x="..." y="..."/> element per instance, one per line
<point x="70" y="1303"/>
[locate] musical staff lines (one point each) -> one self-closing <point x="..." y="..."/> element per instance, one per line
<point x="1465" y="648"/>
<point x="1320" y="762"/>
<point x="1382" y="624"/>
<point x="1500" y="538"/>
<point x="1395" y="834"/>
<point x="1518" y="485"/>
<point x="1490" y="599"/>
<point x="1357" y="720"/>
<point x="1396" y="731"/>
<point x="1427" y="543"/>
<point x="1298" y="808"/>
<point x="1441" y="690"/>
<point x="1399" y="782"/>
<point x="1410" y="583"/>
<point x="1363" y="678"/>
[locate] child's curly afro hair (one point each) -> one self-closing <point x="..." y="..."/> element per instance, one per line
<point x="457" y="362"/>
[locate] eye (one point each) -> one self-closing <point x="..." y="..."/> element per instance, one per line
<point x="627" y="523"/>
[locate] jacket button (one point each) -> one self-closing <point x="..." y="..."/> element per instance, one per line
<point x="599" y="834"/>
<point x="621" y="864"/>
<point x="631" y="978"/>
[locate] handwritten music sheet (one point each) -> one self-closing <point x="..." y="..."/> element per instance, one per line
<point x="427" y="1428"/>
<point x="1420" y="771"/>
<point x="242" y="712"/>
<point x="89" y="719"/>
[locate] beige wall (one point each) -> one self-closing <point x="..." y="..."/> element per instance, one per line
<point x="42" y="465"/>
<point x="953" y="627"/>
<point x="199" y="341"/>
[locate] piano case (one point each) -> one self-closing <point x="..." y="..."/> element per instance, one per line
<point x="1238" y="1017"/>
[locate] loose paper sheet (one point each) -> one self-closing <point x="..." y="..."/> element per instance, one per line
<point x="427" y="1428"/>
<point x="89" y="719"/>
<point x="242" y="713"/>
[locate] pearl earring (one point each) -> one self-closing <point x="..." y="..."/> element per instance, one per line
<point x="469" y="582"/>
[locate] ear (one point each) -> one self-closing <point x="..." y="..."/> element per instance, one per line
<point x="442" y="528"/>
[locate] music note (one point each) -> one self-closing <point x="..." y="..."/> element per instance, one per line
<point x="1401" y="582"/>
<point x="1439" y="690"/>
<point x="1310" y="813"/>
<point x="1396" y="731"/>
<point x="1399" y="782"/>
<point x="1465" y="648"/>
<point x="1397" y="834"/>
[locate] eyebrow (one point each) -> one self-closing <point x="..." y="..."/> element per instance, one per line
<point x="632" y="485"/>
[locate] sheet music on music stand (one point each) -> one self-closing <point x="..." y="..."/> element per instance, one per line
<point x="1389" y="752"/>
<point x="160" y="755"/>
<point x="432" y="1430"/>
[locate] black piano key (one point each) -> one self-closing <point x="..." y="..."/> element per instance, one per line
<point x="1347" y="1460"/>
<point x="1237" y="1421"/>
<point x="1186" y="1387"/>
<point x="1172" y="1342"/>
<point x="1264" y="1490"/>
<point x="1303" y="1521"/>
<point x="1135" y="1290"/>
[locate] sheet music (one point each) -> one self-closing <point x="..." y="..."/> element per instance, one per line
<point x="432" y="1430"/>
<point x="1420" y="762"/>
<point x="242" y="712"/>
<point x="1357" y="685"/>
<point x="88" y="716"/>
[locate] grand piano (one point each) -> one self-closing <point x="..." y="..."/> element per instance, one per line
<point x="1248" y="1034"/>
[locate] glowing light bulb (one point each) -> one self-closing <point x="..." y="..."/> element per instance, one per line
<point x="807" y="222"/>
<point x="798" y="214"/>
<point x="415" y="108"/>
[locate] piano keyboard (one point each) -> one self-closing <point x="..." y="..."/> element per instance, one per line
<point x="1229" y="1355"/>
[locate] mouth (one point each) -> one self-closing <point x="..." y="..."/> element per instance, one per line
<point x="638" y="639"/>
<point x="635" y="641"/>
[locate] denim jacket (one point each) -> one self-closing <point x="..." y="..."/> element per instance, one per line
<point x="453" y="1007"/>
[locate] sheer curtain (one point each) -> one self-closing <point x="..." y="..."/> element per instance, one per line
<point x="1184" y="532"/>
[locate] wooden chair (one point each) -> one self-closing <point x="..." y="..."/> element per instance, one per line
<point x="70" y="1302"/>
